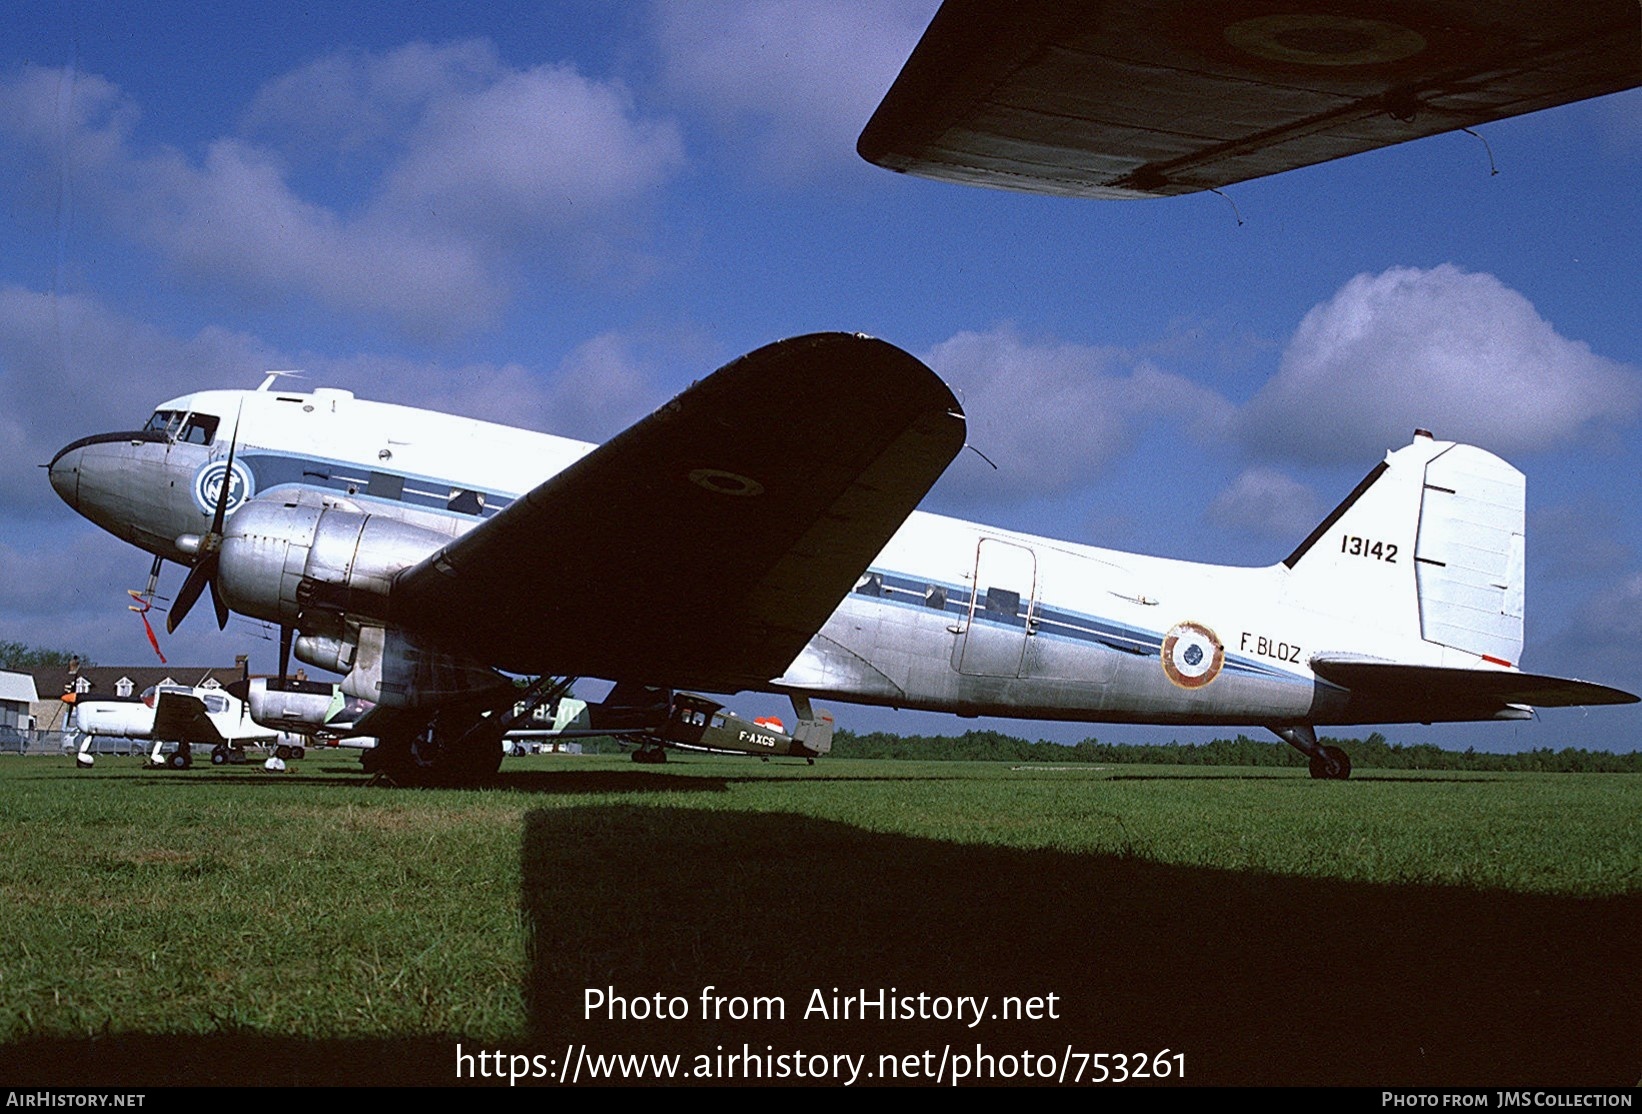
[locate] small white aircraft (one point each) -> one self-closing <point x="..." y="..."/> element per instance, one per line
<point x="758" y="532"/>
<point x="188" y="716"/>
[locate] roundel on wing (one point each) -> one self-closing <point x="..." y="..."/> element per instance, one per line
<point x="1324" y="39"/>
<point x="1192" y="655"/>
<point x="720" y="482"/>
<point x="208" y="483"/>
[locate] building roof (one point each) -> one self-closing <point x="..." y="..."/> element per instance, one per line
<point x="103" y="680"/>
<point x="17" y="687"/>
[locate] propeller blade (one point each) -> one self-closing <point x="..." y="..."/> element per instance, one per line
<point x="222" y="607"/>
<point x="205" y="567"/>
<point x="220" y="516"/>
<point x="198" y="577"/>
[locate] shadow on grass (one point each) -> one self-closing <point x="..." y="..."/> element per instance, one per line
<point x="1257" y="979"/>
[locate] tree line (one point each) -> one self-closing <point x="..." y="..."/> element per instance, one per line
<point x="1374" y="752"/>
<point x="20" y="657"/>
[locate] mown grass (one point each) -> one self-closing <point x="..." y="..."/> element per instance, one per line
<point x="1254" y="918"/>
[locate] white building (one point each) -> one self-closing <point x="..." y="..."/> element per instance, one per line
<point x="17" y="695"/>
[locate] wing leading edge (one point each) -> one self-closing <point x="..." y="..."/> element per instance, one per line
<point x="705" y="545"/>
<point x="1152" y="98"/>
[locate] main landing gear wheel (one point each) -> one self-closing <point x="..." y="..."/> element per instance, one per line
<point x="219" y="755"/>
<point x="180" y="760"/>
<point x="1330" y="764"/>
<point x="452" y="751"/>
<point x="650" y="754"/>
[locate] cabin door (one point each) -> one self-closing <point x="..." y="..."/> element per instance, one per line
<point x="993" y="640"/>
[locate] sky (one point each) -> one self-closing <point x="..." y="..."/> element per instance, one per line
<point x="558" y="215"/>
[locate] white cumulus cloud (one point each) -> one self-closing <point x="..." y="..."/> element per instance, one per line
<point x="1266" y="502"/>
<point x="449" y="172"/>
<point x="1052" y="415"/>
<point x="796" y="79"/>
<point x="1453" y="351"/>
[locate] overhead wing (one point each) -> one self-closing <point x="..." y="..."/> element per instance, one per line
<point x="181" y="718"/>
<point x="1150" y="98"/>
<point x="704" y="546"/>
<point x="1433" y="693"/>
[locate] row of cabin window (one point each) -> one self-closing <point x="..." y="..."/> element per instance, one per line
<point x="998" y="601"/>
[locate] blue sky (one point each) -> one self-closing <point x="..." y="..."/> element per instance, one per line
<point x="558" y="215"/>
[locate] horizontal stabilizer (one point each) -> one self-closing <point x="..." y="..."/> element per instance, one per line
<point x="1439" y="686"/>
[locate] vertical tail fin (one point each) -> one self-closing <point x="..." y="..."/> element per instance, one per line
<point x="1429" y="546"/>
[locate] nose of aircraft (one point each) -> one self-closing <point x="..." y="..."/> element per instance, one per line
<point x="130" y="485"/>
<point x="64" y="471"/>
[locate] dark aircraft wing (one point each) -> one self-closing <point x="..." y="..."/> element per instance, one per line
<point x="1151" y="98"/>
<point x="1443" y="692"/>
<point x="704" y="546"/>
<point x="181" y="718"/>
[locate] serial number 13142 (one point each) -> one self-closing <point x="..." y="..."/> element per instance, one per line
<point x="1367" y="547"/>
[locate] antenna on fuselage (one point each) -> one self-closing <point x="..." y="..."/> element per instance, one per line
<point x="267" y="383"/>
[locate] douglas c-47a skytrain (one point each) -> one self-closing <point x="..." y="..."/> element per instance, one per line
<point x="758" y="532"/>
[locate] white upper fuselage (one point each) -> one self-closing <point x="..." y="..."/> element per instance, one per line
<point x="951" y="615"/>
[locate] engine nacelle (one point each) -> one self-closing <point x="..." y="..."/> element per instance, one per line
<point x="305" y="707"/>
<point x="323" y="651"/>
<point x="394" y="668"/>
<point x="282" y="558"/>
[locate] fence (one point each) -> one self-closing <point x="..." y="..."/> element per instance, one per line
<point x="36" y="742"/>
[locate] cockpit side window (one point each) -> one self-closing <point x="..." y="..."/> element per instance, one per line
<point x="199" y="429"/>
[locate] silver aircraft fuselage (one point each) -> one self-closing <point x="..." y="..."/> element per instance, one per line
<point x="951" y="615"/>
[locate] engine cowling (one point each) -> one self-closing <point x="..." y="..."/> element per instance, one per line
<point x="283" y="559"/>
<point x="306" y="707"/>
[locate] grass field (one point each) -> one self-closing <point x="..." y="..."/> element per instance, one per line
<point x="228" y="925"/>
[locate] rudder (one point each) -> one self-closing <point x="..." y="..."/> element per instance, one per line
<point x="1429" y="546"/>
<point x="1470" y="557"/>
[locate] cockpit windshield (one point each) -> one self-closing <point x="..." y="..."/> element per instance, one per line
<point x="165" y="421"/>
<point x="178" y="425"/>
